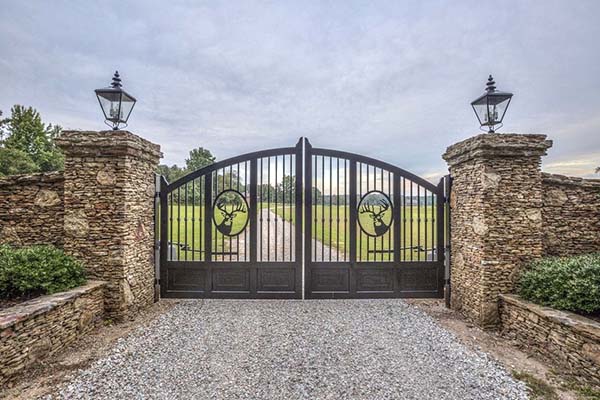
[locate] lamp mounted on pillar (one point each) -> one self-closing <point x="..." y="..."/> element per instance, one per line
<point x="116" y="103"/>
<point x="491" y="106"/>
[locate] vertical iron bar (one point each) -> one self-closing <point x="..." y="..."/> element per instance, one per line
<point x="193" y="219"/>
<point x="253" y="211"/>
<point x="404" y="235"/>
<point x="298" y="207"/>
<point x="426" y="223"/>
<point x="308" y="245"/>
<point x="170" y="244"/>
<point x="262" y="193"/>
<point x="360" y="191"/>
<point x="322" y="208"/>
<point x="440" y="204"/>
<point x="208" y="217"/>
<point x="237" y="237"/>
<point x="346" y="224"/>
<point x="330" y="211"/>
<point x="179" y="223"/>
<point x="411" y="221"/>
<point x="283" y="241"/>
<point x="268" y="208"/>
<point x="200" y="225"/>
<point x="276" y="192"/>
<point x="396" y="217"/>
<point x="353" y="215"/>
<point x="185" y="219"/>
<point x="337" y="207"/>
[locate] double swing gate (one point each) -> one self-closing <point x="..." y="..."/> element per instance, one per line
<point x="300" y="222"/>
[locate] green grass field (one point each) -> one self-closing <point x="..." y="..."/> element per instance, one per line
<point x="325" y="229"/>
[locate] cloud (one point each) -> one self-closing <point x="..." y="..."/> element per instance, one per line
<point x="392" y="80"/>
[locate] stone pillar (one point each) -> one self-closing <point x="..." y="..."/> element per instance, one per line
<point x="108" y="222"/>
<point x="496" y="218"/>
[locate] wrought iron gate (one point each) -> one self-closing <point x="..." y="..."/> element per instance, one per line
<point x="249" y="226"/>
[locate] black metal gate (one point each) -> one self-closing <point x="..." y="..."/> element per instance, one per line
<point x="249" y="226"/>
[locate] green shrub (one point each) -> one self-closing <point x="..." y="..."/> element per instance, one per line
<point x="37" y="270"/>
<point x="565" y="283"/>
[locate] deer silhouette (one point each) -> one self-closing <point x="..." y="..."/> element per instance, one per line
<point x="227" y="223"/>
<point x="379" y="225"/>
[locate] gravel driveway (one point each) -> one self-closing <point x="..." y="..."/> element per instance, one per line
<point x="317" y="349"/>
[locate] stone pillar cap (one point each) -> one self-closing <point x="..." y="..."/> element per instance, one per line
<point x="107" y="143"/>
<point x="492" y="145"/>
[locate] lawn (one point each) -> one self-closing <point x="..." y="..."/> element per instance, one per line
<point x="324" y="218"/>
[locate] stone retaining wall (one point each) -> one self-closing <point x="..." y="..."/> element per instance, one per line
<point x="32" y="209"/>
<point x="568" y="340"/>
<point x="35" y="329"/>
<point x="571" y="215"/>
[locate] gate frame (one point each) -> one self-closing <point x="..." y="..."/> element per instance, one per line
<point x="303" y="151"/>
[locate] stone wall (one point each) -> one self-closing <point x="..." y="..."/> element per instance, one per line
<point x="109" y="213"/>
<point x="496" y="218"/>
<point x="568" y="340"/>
<point x="35" y="329"/>
<point x="571" y="215"/>
<point x="32" y="209"/>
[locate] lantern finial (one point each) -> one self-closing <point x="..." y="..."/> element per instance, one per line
<point x="116" y="80"/>
<point x="490" y="86"/>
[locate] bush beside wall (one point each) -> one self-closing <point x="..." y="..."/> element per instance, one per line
<point x="37" y="270"/>
<point x="564" y="283"/>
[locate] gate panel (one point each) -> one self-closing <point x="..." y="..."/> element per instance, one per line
<point x="227" y="230"/>
<point x="371" y="229"/>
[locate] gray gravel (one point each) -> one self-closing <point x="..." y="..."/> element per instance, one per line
<point x="317" y="349"/>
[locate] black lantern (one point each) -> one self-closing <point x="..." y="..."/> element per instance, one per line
<point x="116" y="103"/>
<point x="491" y="106"/>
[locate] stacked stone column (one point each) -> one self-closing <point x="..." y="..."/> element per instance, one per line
<point x="108" y="221"/>
<point x="496" y="204"/>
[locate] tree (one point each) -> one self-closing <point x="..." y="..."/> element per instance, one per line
<point x="598" y="170"/>
<point x="171" y="173"/>
<point x="14" y="161"/>
<point x="199" y="158"/>
<point x="287" y="189"/>
<point x="26" y="133"/>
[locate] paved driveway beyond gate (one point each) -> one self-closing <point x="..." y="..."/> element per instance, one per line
<point x="318" y="349"/>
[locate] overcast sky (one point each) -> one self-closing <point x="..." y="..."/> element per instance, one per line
<point x="388" y="79"/>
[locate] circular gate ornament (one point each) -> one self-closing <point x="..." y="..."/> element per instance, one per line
<point x="230" y="213"/>
<point x="375" y="213"/>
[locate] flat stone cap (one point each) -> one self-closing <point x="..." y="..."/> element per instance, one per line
<point x="493" y="145"/>
<point x="107" y="143"/>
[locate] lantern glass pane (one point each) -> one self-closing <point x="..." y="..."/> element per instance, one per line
<point x="497" y="108"/>
<point x="110" y="105"/>
<point x="481" y="112"/>
<point x="126" y="107"/>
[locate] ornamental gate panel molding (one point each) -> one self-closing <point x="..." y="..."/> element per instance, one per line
<point x="300" y="222"/>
